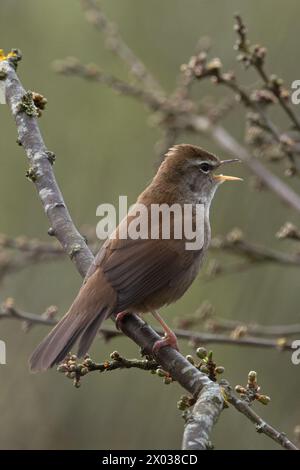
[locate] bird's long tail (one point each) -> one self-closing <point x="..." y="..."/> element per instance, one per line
<point x="93" y="304"/>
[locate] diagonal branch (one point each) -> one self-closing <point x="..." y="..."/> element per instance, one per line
<point x="230" y="145"/>
<point x="72" y="66"/>
<point x="54" y="206"/>
<point x="95" y="15"/>
<point x="255" y="56"/>
<point x="200" y="69"/>
<point x="180" y="369"/>
<point x="261" y="425"/>
<point x="62" y="226"/>
<point x="181" y="118"/>
<point x="200" y="421"/>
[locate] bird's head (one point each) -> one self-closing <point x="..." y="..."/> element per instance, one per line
<point x="193" y="170"/>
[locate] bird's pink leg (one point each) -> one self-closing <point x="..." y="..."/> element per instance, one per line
<point x="170" y="338"/>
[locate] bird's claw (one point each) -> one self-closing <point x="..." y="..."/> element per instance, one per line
<point x="168" y="340"/>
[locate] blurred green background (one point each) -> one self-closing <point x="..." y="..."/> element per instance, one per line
<point x="105" y="147"/>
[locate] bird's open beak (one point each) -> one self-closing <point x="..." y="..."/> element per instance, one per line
<point x="222" y="178"/>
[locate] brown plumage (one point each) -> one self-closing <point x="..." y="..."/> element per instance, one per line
<point x="139" y="275"/>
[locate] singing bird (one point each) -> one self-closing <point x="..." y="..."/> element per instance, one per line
<point x="140" y="275"/>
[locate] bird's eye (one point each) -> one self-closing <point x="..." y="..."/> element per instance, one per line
<point x="206" y="167"/>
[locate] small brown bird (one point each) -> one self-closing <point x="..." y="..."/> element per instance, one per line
<point x="141" y="275"/>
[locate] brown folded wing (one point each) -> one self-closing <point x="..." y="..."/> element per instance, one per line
<point x="139" y="268"/>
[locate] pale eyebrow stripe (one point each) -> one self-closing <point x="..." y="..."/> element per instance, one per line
<point x="199" y="162"/>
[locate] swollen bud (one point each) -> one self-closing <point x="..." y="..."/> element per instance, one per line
<point x="252" y="376"/>
<point x="240" y="389"/>
<point x="201" y="353"/>
<point x="190" y="359"/>
<point x="264" y="399"/>
<point x="115" y="355"/>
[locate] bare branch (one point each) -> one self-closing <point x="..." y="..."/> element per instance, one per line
<point x="179" y="368"/>
<point x="198" y="339"/>
<point x="76" y="370"/>
<point x="33" y="251"/>
<point x="230" y="145"/>
<point x="9" y="311"/>
<point x="31" y="245"/>
<point x="72" y="67"/>
<point x="54" y="206"/>
<point x="261" y="425"/>
<point x="200" y="421"/>
<point x="220" y="110"/>
<point x="241" y="329"/>
<point x="95" y="15"/>
<point x="200" y="68"/>
<point x="235" y="243"/>
<point x="17" y="253"/>
<point x="179" y="117"/>
<point x="255" y="56"/>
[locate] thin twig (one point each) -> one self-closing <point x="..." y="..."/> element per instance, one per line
<point x="227" y="142"/>
<point x="195" y="338"/>
<point x="184" y="120"/>
<point x="38" y="156"/>
<point x="31" y="245"/>
<point x="261" y="425"/>
<point x="17" y="254"/>
<point x="199" y="68"/>
<point x="235" y="243"/>
<point x="34" y="251"/>
<point x="72" y="67"/>
<point x="256" y="57"/>
<point x="8" y="310"/>
<point x="235" y="327"/>
<point x="95" y="15"/>
<point x="76" y="370"/>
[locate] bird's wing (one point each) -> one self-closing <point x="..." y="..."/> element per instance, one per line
<point x="138" y="268"/>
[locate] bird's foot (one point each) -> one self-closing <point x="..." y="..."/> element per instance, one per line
<point x="169" y="340"/>
<point x="120" y="317"/>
